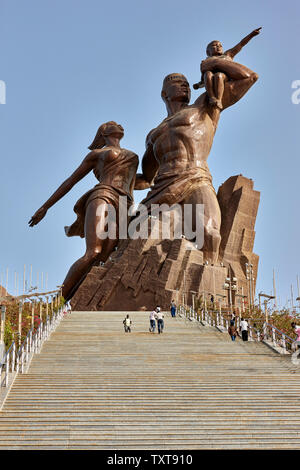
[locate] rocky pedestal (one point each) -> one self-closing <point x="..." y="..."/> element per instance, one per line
<point x="144" y="273"/>
<point x="239" y="204"/>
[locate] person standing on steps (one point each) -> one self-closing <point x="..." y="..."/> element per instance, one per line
<point x="296" y="329"/>
<point x="232" y="330"/>
<point x="127" y="324"/>
<point x="160" y="320"/>
<point x="152" y="321"/>
<point x="173" y="308"/>
<point x="244" y="329"/>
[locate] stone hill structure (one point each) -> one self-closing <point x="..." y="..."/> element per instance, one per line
<point x="174" y="168"/>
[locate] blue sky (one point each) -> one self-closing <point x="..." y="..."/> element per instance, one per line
<point x="71" y="65"/>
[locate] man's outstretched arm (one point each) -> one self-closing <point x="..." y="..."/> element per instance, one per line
<point x="234" y="90"/>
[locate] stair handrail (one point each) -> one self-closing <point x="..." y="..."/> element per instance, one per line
<point x="284" y="341"/>
<point x="279" y="338"/>
<point x="16" y="360"/>
<point x="8" y="364"/>
<point x="23" y="352"/>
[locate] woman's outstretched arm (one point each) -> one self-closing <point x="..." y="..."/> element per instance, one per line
<point x="84" y="168"/>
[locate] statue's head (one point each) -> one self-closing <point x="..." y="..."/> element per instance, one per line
<point x="214" y="48"/>
<point x="110" y="128"/>
<point x="176" y="88"/>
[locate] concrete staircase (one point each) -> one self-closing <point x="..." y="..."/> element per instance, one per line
<point x="95" y="387"/>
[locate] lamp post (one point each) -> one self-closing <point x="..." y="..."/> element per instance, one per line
<point x="41" y="307"/>
<point x="20" y="324"/>
<point x="250" y="279"/>
<point x="298" y="290"/>
<point x="298" y="300"/>
<point x="267" y="299"/>
<point x="32" y="313"/>
<point x="47" y="305"/>
<point x="220" y="302"/>
<point x="60" y="293"/>
<point x="2" y="329"/>
<point x="231" y="286"/>
<point x="204" y="299"/>
<point x="3" y="315"/>
<point x="193" y="298"/>
<point x="242" y="302"/>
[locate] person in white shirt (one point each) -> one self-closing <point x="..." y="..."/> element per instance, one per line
<point x="127" y="324"/>
<point x="160" y="322"/>
<point x="244" y="329"/>
<point x="152" y="321"/>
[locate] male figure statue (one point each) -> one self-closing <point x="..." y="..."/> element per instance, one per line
<point x="177" y="151"/>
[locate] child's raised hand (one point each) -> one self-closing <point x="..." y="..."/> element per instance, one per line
<point x="256" y="31"/>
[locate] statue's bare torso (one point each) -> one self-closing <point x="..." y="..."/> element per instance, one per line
<point x="184" y="140"/>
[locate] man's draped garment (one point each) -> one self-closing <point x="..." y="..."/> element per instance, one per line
<point x="173" y="188"/>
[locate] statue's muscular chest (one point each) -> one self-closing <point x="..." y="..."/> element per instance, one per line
<point x="188" y="126"/>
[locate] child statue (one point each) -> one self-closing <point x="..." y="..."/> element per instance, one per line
<point x="213" y="68"/>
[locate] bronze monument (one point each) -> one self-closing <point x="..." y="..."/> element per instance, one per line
<point x="147" y="272"/>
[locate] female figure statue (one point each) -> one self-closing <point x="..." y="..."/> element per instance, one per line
<point x="115" y="168"/>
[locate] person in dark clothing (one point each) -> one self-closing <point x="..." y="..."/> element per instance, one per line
<point x="173" y="308"/>
<point x="232" y="330"/>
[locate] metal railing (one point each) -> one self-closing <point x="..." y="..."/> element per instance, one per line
<point x="278" y="338"/>
<point x="216" y="319"/>
<point x="15" y="361"/>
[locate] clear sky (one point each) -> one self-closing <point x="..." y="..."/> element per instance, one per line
<point x="70" y="65"/>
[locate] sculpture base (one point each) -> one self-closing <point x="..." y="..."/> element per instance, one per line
<point x="146" y="273"/>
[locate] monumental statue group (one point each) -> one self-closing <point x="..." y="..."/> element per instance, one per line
<point x="134" y="273"/>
